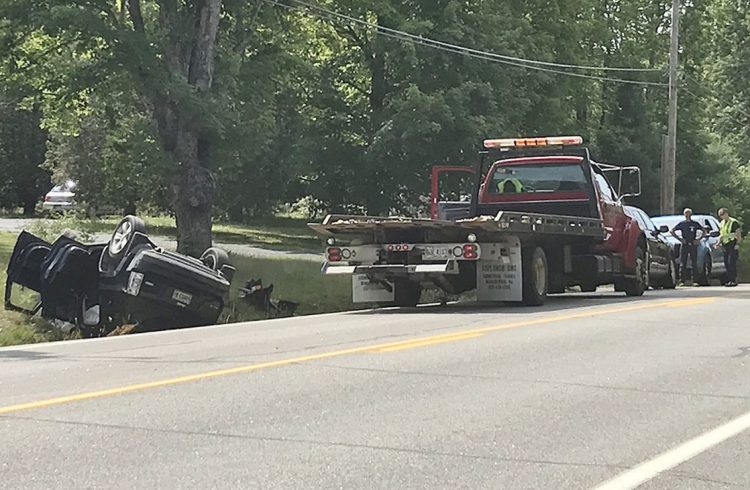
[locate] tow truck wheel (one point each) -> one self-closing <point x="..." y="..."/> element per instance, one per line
<point x="588" y="287"/>
<point x="535" y="276"/>
<point x="406" y="293"/>
<point x="637" y="285"/>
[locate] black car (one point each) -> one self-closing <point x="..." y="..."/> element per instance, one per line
<point x="126" y="281"/>
<point x="661" y="260"/>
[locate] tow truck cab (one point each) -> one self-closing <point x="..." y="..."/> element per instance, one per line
<point x="547" y="176"/>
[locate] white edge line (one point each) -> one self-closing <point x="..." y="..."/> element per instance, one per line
<point x="648" y="470"/>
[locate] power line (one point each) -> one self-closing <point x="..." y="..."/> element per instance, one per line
<point x="383" y="29"/>
<point x="456" y="49"/>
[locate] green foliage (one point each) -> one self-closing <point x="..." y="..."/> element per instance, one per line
<point x="22" y="148"/>
<point x="309" y="108"/>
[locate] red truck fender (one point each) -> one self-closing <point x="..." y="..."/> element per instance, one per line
<point x="633" y="238"/>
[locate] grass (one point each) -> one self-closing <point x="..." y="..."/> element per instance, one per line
<point x="273" y="233"/>
<point x="294" y="280"/>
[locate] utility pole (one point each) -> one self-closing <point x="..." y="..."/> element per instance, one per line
<point x="669" y="165"/>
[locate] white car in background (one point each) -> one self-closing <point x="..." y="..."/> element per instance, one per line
<point x="60" y="198"/>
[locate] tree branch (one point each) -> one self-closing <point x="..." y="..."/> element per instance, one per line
<point x="136" y="16"/>
<point x="202" y="58"/>
<point x="244" y="42"/>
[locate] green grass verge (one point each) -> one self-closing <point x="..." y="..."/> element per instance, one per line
<point x="294" y="280"/>
<point x="273" y="233"/>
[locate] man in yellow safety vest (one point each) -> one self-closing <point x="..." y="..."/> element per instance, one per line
<point x="730" y="233"/>
<point x="510" y="185"/>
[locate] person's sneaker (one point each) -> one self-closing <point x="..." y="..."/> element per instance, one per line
<point x="681" y="284"/>
<point x="694" y="284"/>
<point x="732" y="284"/>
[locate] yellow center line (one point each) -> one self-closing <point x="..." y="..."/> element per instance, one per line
<point x="412" y="344"/>
<point x="387" y="347"/>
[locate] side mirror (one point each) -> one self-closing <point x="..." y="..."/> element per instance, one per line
<point x="629" y="182"/>
<point x="714" y="234"/>
<point x="663" y="229"/>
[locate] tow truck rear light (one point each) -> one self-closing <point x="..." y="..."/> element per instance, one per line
<point x="470" y="251"/>
<point x="401" y="247"/>
<point x="334" y="254"/>
<point x="506" y="143"/>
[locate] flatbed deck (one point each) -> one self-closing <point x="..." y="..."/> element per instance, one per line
<point x="504" y="222"/>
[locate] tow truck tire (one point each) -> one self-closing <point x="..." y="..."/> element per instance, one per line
<point x="588" y="287"/>
<point x="637" y="285"/>
<point x="406" y="293"/>
<point x="535" y="276"/>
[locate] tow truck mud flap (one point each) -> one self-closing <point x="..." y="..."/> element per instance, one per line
<point x="499" y="271"/>
<point x="366" y="291"/>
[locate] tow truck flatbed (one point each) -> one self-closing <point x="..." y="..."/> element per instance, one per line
<point x="503" y="222"/>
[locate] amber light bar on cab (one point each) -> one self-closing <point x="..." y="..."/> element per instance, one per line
<point x="533" y="142"/>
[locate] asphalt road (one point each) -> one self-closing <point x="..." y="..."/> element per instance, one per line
<point x="654" y="391"/>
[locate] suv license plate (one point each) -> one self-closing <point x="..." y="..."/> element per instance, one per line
<point x="182" y="297"/>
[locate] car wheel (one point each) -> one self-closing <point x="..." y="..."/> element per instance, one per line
<point x="123" y="235"/>
<point x="637" y="285"/>
<point x="535" y="276"/>
<point x="215" y="258"/>
<point x="670" y="282"/>
<point x="704" y="279"/>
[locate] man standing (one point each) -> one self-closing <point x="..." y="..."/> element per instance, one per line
<point x="731" y="236"/>
<point x="690" y="240"/>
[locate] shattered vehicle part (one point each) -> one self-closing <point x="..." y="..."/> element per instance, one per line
<point x="255" y="295"/>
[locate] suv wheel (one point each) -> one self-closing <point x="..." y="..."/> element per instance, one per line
<point x="123" y="235"/>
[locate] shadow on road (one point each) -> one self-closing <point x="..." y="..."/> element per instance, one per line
<point x="27" y="355"/>
<point x="570" y="301"/>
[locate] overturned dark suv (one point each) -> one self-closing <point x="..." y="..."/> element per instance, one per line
<point x="126" y="281"/>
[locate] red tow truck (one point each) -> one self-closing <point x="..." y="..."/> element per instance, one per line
<point x="540" y="216"/>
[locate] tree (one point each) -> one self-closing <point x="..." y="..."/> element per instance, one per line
<point x="22" y="149"/>
<point x="168" y="49"/>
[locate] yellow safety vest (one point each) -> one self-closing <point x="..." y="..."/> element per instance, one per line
<point x="725" y="230"/>
<point x="516" y="184"/>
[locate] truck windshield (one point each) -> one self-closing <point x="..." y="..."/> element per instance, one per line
<point x="547" y="177"/>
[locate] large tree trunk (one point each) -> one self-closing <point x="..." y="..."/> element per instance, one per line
<point x="181" y="130"/>
<point x="194" y="195"/>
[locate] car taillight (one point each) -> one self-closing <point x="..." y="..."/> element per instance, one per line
<point x="334" y="254"/>
<point x="471" y="251"/>
<point x="46" y="198"/>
